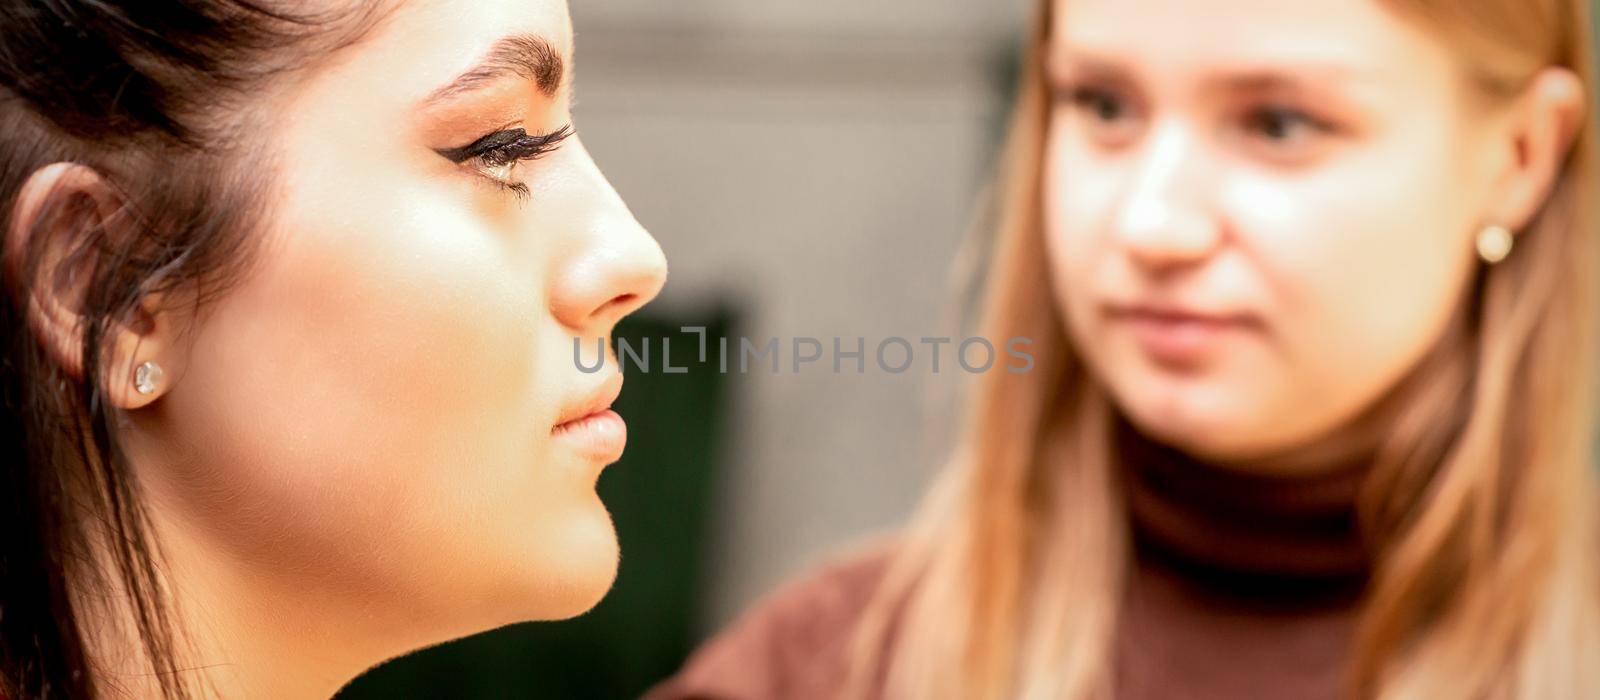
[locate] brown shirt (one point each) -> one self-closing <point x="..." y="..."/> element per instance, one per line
<point x="1242" y="587"/>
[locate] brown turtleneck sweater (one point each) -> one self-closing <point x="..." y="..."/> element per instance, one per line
<point x="1243" y="586"/>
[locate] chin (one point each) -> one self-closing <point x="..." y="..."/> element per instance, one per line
<point x="570" y="571"/>
<point x="1191" y="418"/>
<point x="584" y="588"/>
<point x="1216" y="437"/>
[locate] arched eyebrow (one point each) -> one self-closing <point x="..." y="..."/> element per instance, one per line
<point x="525" y="55"/>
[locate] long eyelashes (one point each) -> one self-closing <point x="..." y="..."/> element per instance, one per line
<point x="508" y="145"/>
<point x="497" y="153"/>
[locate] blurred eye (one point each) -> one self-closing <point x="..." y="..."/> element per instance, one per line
<point x="1109" y="116"/>
<point x="1285" y="131"/>
<point x="1100" y="104"/>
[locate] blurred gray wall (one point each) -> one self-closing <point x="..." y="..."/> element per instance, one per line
<point x="815" y="164"/>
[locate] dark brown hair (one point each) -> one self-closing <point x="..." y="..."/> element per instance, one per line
<point x="159" y="98"/>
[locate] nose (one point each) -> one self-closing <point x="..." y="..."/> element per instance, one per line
<point x="1163" y="221"/>
<point x="612" y="266"/>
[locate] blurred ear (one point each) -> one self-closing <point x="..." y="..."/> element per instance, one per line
<point x="1538" y="133"/>
<point x="65" y="216"/>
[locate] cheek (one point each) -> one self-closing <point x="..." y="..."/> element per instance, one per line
<point x="1079" y="195"/>
<point x="1363" y="265"/>
<point x="1079" y="198"/>
<point x="372" y="397"/>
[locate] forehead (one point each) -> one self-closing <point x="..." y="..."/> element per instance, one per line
<point x="1354" y="37"/>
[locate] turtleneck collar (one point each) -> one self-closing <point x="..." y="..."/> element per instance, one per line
<point x="1244" y="527"/>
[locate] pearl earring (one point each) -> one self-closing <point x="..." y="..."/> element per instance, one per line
<point x="1494" y="243"/>
<point x="147" y="376"/>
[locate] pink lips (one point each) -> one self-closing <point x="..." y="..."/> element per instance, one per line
<point x="1177" y="336"/>
<point x="591" y="427"/>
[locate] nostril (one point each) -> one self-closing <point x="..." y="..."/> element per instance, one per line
<point x="621" y="301"/>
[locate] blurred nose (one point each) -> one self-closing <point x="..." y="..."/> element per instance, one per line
<point x="612" y="265"/>
<point x="1163" y="220"/>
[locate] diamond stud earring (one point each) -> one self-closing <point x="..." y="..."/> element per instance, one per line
<point x="1494" y="243"/>
<point x="147" y="376"/>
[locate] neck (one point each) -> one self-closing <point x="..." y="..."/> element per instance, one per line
<point x="234" y="634"/>
<point x="1293" y="518"/>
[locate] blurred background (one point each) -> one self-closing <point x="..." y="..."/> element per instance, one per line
<point x="811" y="169"/>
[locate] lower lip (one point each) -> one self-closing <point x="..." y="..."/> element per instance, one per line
<point x="1179" y="340"/>
<point x="599" y="436"/>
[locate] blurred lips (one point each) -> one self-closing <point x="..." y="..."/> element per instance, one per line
<point x="591" y="427"/>
<point x="1173" y="334"/>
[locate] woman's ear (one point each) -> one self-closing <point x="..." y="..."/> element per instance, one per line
<point x="65" y="217"/>
<point x="1538" y="133"/>
<point x="143" y="338"/>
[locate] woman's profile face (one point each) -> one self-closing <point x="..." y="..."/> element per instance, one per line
<point x="382" y="412"/>
<point x="1308" y="171"/>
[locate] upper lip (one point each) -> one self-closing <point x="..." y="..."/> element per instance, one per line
<point x="1176" y="312"/>
<point x="598" y="399"/>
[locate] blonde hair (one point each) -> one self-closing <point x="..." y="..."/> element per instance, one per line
<point x="1481" y="512"/>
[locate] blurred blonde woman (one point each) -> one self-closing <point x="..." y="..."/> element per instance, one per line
<point x="1311" y="286"/>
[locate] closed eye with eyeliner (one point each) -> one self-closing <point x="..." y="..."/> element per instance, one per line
<point x="495" y="155"/>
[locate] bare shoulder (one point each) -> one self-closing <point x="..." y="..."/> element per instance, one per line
<point x="793" y="643"/>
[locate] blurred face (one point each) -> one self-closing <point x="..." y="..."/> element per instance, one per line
<point x="1260" y="214"/>
<point x="387" y="413"/>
